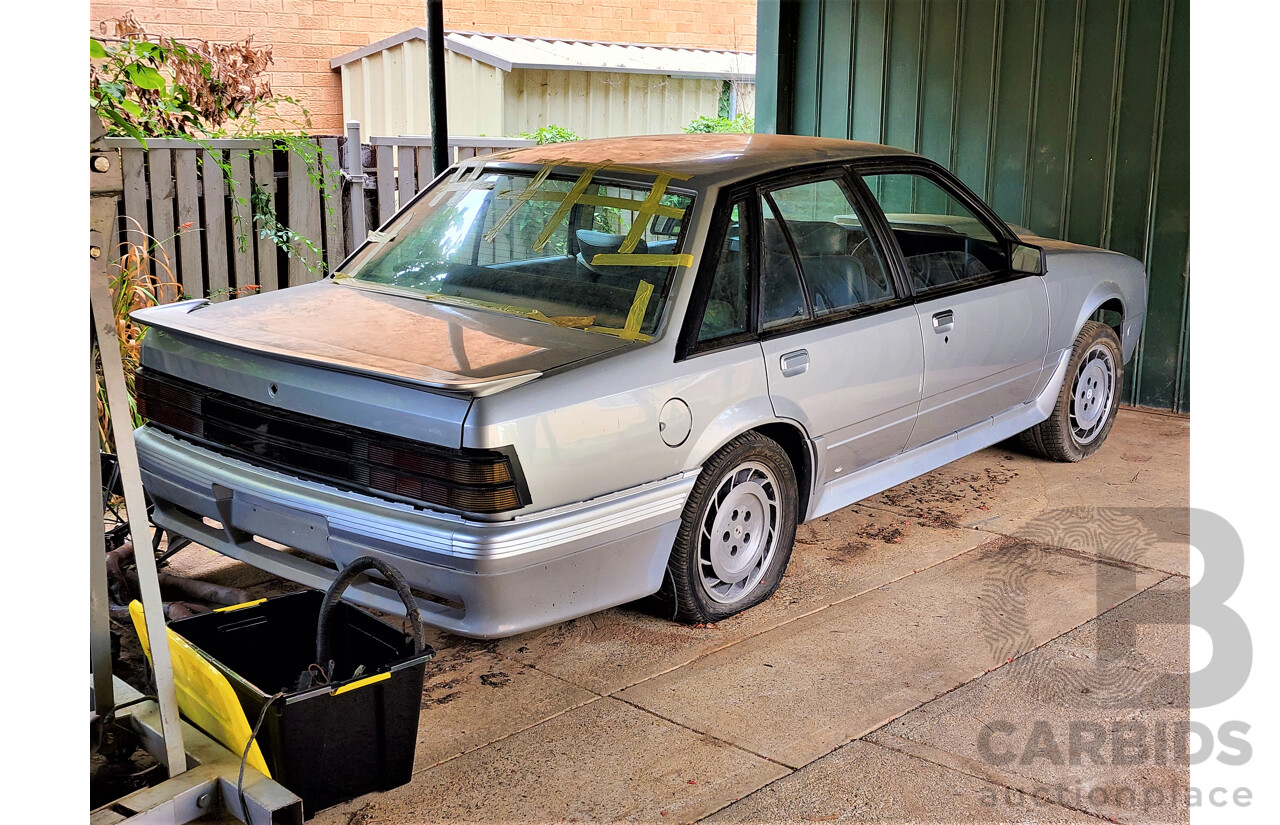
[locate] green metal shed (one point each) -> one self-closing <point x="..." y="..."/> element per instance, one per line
<point x="1070" y="116"/>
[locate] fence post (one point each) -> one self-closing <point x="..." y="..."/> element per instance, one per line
<point x="353" y="171"/>
<point x="264" y="176"/>
<point x="304" y="219"/>
<point x="335" y="240"/>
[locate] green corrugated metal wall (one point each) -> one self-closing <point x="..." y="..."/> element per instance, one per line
<point x="1070" y="116"/>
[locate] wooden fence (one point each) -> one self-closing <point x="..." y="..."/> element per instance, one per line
<point x="201" y="206"/>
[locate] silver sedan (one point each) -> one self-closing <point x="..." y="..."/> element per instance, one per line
<point x="567" y="377"/>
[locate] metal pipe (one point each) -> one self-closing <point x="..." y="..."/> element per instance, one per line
<point x="435" y="68"/>
<point x="171" y="585"/>
<point x="102" y="210"/>
<point x="180" y="588"/>
<point x="99" y="599"/>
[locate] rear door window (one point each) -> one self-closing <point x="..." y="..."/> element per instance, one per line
<point x="841" y="265"/>
<point x="781" y="290"/>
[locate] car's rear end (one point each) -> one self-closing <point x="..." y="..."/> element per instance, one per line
<point x="301" y="429"/>
<point x="299" y="468"/>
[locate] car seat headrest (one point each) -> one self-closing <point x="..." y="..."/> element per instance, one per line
<point x="821" y="239"/>
<point x="592" y="243"/>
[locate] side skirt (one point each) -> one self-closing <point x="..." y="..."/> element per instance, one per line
<point x="905" y="466"/>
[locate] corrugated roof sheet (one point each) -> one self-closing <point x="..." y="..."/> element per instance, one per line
<point x="508" y="52"/>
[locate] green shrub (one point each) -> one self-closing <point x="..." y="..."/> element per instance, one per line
<point x="704" y="124"/>
<point x="551" y="134"/>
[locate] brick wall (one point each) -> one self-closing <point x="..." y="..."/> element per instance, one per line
<point x="305" y="34"/>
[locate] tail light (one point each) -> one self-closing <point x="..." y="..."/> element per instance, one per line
<point x="169" y="405"/>
<point x="468" y="480"/>
<point x="476" y="484"/>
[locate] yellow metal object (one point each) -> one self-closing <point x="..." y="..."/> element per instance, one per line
<point x="238" y="606"/>
<point x="205" y="696"/>
<point x="641" y="259"/>
<point x="359" y="683"/>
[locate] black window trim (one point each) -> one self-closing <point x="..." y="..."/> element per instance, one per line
<point x="867" y="210"/>
<point x="688" y="345"/>
<point x="767" y="197"/>
<point x="955" y="187"/>
<point x="849" y="173"/>
<point x="750" y="192"/>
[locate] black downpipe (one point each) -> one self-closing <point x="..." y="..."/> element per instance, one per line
<point x="435" y="64"/>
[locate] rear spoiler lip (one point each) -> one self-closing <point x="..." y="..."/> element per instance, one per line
<point x="168" y="317"/>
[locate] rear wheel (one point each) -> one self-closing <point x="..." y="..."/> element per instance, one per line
<point x="736" y="532"/>
<point x="1087" y="403"/>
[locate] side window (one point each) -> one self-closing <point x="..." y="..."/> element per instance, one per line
<point x="781" y="291"/>
<point x="729" y="301"/>
<point x="943" y="241"/>
<point x="841" y="265"/>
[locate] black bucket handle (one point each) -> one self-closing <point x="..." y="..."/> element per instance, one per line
<point x="340" y="584"/>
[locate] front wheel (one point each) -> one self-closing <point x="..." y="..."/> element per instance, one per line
<point x="736" y="532"/>
<point x="1087" y="403"/>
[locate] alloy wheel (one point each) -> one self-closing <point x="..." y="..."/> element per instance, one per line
<point x="1092" y="394"/>
<point x="738" y="533"/>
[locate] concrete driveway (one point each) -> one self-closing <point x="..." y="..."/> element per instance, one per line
<point x="1003" y="639"/>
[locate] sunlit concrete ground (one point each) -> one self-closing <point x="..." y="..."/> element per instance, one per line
<point x="1004" y="639"/>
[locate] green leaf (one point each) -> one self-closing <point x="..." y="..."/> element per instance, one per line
<point x="133" y="132"/>
<point x="145" y="77"/>
<point x="96" y="49"/>
<point x="131" y="107"/>
<point x="124" y="125"/>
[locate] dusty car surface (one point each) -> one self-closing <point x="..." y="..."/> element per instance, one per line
<point x="566" y="377"/>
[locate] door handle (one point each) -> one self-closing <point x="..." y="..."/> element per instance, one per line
<point x="794" y="363"/>
<point x="943" y="321"/>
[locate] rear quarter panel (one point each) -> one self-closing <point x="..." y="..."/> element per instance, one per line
<point x="593" y="430"/>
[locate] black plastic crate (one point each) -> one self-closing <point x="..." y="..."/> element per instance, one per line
<point x="329" y="743"/>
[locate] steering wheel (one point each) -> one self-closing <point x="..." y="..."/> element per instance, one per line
<point x="853" y="253"/>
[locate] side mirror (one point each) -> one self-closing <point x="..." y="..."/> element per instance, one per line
<point x="1027" y="259"/>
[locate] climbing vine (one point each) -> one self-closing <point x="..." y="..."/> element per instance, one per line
<point x="144" y="85"/>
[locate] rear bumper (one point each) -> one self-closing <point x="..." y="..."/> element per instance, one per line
<point x="478" y="579"/>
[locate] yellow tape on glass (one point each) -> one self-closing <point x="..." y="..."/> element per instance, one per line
<point x="521" y="199"/>
<point x="627" y="204"/>
<point x="636" y="316"/>
<point x="570" y="198"/>
<point x="641" y="259"/>
<point x="638" y="226"/>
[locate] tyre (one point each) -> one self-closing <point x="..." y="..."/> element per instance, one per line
<point x="1087" y="403"/>
<point x="736" y="532"/>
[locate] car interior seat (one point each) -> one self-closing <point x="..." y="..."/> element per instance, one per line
<point x="592" y="243"/>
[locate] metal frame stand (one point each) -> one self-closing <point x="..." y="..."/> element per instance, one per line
<point x="203" y="775"/>
<point x="208" y="784"/>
